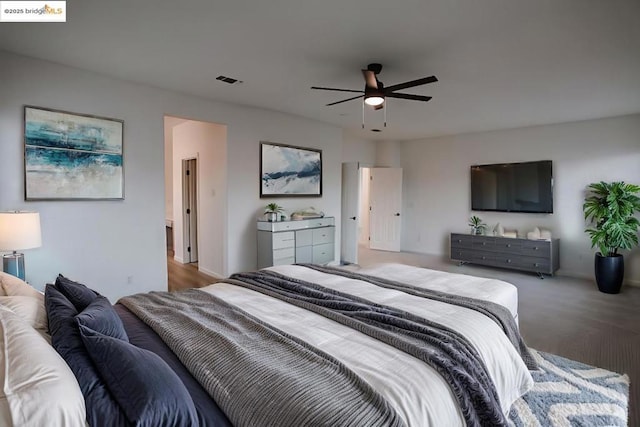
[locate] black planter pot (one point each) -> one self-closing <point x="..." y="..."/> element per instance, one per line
<point x="609" y="273"/>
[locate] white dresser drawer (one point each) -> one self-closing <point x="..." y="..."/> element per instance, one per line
<point x="323" y="254"/>
<point x="284" y="261"/>
<point x="304" y="238"/>
<point x="285" y="239"/>
<point x="323" y="235"/>
<point x="284" y="253"/>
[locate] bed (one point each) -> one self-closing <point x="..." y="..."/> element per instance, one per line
<point x="259" y="349"/>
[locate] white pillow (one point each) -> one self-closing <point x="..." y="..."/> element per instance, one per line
<point x="38" y="389"/>
<point x="29" y="309"/>
<point x="11" y="285"/>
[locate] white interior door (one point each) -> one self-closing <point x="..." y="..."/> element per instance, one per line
<point x="386" y="205"/>
<point x="350" y="220"/>
<point x="190" y="210"/>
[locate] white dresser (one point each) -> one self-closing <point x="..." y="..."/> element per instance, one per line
<point x="289" y="242"/>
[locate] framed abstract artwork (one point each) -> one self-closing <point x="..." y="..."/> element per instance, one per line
<point x="288" y="171"/>
<point x="71" y="156"/>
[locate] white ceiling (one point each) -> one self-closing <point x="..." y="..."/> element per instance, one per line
<point x="501" y="63"/>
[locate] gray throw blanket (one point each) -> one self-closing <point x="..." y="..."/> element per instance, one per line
<point x="496" y="312"/>
<point x="244" y="363"/>
<point x="442" y="348"/>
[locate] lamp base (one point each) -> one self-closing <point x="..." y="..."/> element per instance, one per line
<point x="13" y="264"/>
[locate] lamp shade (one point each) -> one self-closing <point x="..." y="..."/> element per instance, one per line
<point x="19" y="230"/>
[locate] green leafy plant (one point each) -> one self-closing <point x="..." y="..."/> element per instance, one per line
<point x="273" y="208"/>
<point x="476" y="224"/>
<point x="610" y="209"/>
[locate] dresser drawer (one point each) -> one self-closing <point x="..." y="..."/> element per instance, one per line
<point x="304" y="238"/>
<point x="461" y="254"/>
<point x="304" y="254"/>
<point x="461" y="241"/>
<point x="284" y="261"/>
<point x="483" y="243"/>
<point x="534" y="264"/>
<point x="284" y="253"/>
<point x="539" y="248"/>
<point x="321" y="222"/>
<point x="483" y="257"/>
<point x="285" y="239"/>
<point x="323" y="254"/>
<point x="322" y="235"/>
<point x="508" y="245"/>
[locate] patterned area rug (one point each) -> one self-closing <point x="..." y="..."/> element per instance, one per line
<point x="569" y="393"/>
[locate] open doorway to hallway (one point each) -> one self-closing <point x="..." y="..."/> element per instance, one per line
<point x="195" y="196"/>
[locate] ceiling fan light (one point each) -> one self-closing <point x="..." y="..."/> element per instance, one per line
<point x="374" y="100"/>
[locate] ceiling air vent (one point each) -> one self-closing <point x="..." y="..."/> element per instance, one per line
<point x="227" y="79"/>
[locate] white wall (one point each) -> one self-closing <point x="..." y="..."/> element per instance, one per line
<point x="388" y="154"/>
<point x="109" y="244"/>
<point x="169" y="123"/>
<point x="206" y="142"/>
<point x="437" y="189"/>
<point x="356" y="149"/>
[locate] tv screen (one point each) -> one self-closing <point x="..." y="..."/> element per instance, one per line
<point x="513" y="187"/>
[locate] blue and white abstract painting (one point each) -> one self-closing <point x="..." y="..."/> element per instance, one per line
<point x="72" y="156"/>
<point x="290" y="171"/>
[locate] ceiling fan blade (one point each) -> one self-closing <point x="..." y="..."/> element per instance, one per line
<point x="345" y="100"/>
<point x="370" y="78"/>
<point x="412" y="83"/>
<point x="336" y="90"/>
<point x="408" y="96"/>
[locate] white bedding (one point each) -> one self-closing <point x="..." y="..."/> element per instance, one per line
<point x="415" y="390"/>
<point x="482" y="288"/>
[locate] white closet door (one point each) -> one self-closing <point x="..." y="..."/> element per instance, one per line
<point x="386" y="205"/>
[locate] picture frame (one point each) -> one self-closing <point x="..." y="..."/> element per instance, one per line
<point x="72" y="156"/>
<point x="290" y="171"/>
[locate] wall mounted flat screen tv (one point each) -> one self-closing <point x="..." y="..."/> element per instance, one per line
<point x="513" y="187"/>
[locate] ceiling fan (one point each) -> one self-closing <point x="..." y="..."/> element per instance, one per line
<point x="375" y="93"/>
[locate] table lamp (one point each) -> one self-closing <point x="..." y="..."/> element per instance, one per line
<point x="18" y="230"/>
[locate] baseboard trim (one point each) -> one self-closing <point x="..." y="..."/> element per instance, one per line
<point x="178" y="259"/>
<point x="210" y="273"/>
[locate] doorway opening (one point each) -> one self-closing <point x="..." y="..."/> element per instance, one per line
<point x="195" y="200"/>
<point x="371" y="210"/>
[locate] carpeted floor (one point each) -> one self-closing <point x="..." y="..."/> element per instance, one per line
<point x="569" y="393"/>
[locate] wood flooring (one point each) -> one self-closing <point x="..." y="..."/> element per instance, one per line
<point x="560" y="315"/>
<point x="185" y="276"/>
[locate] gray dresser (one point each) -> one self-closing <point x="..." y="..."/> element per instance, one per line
<point x="537" y="256"/>
<point x="289" y="242"/>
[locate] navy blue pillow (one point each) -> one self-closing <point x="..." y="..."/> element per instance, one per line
<point x="79" y="295"/>
<point x="102" y="317"/>
<point x="146" y="388"/>
<point x="102" y="409"/>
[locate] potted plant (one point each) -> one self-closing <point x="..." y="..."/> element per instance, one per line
<point x="477" y="226"/>
<point x="271" y="211"/>
<point x="610" y="209"/>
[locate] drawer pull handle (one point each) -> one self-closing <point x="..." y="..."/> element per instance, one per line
<point x="484" y="243"/>
<point x="535" y="248"/>
<point x="508" y="261"/>
<point x="484" y="257"/>
<point x="536" y="264"/>
<point x="509" y="245"/>
<point x="459" y="240"/>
